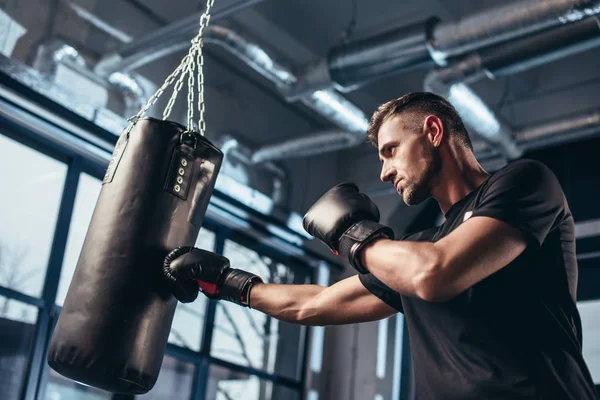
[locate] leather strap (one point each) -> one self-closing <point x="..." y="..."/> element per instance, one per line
<point x="358" y="236"/>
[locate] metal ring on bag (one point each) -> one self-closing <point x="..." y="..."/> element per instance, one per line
<point x="191" y="135"/>
<point x="132" y="121"/>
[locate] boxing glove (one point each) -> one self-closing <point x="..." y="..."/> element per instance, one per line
<point x="346" y="221"/>
<point x="188" y="270"/>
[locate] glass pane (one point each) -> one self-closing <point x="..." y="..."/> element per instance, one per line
<point x="250" y="338"/>
<point x="88" y="191"/>
<point x="188" y="322"/>
<point x="32" y="188"/>
<point x="17" y="327"/>
<point x="61" y="388"/>
<point x="225" y="384"/>
<point x="590" y="321"/>
<point x="174" y="381"/>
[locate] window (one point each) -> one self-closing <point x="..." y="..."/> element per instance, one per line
<point x="61" y="388"/>
<point x="188" y="322"/>
<point x="590" y="321"/>
<point x="88" y="191"/>
<point x="17" y="327"/>
<point x="174" y="381"/>
<point x="248" y="337"/>
<point x="32" y="186"/>
<point x="225" y="384"/>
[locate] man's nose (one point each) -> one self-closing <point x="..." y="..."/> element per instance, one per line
<point x="387" y="173"/>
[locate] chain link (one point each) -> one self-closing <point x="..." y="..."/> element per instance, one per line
<point x="169" y="107"/>
<point x="190" y="98"/>
<point x="204" y="20"/>
<point x="186" y="67"/>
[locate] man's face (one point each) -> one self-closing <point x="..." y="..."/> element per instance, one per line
<point x="409" y="159"/>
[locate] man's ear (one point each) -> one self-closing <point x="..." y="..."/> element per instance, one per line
<point x="434" y="128"/>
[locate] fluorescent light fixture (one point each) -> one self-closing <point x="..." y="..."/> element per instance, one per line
<point x="347" y="113"/>
<point x="382" y="335"/>
<point x="474" y="111"/>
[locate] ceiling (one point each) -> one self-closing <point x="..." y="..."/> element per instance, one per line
<point x="296" y="33"/>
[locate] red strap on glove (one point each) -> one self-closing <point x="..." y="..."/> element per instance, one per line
<point x="208" y="288"/>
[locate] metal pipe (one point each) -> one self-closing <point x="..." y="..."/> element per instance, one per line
<point x="163" y="41"/>
<point x="506" y="22"/>
<point x="134" y="96"/>
<point x="536" y="50"/>
<point x="319" y="143"/>
<point x="54" y="52"/>
<point x="513" y="57"/>
<point x="478" y="117"/>
<point x="582" y="126"/>
<point x="546" y="134"/>
<point x="417" y="47"/>
<point x="328" y="103"/>
<point x="542" y="48"/>
<point x="399" y="50"/>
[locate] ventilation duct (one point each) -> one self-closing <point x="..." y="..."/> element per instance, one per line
<point x="328" y="103"/>
<point x="132" y="92"/>
<point x="534" y="137"/>
<point x="505" y="59"/>
<point x="268" y="177"/>
<point x="319" y="143"/>
<point x="420" y="46"/>
<point x="55" y="53"/>
<point x="393" y="52"/>
<point x="521" y="55"/>
<point x="164" y="41"/>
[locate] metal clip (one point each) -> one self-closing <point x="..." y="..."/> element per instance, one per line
<point x="191" y="135"/>
<point x="132" y="121"/>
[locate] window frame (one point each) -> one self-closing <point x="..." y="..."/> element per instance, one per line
<point x="48" y="312"/>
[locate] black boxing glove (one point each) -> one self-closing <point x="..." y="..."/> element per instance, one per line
<point x="346" y="221"/>
<point x="188" y="270"/>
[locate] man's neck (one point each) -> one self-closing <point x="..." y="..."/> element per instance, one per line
<point x="458" y="177"/>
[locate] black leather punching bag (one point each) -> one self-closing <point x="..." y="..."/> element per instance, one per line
<point x="113" y="328"/>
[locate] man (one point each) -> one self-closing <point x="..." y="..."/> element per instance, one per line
<point x="488" y="296"/>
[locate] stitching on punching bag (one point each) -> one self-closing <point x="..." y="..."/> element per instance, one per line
<point x="115" y="159"/>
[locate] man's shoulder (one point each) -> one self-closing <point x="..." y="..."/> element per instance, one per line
<point x="524" y="173"/>
<point x="525" y="168"/>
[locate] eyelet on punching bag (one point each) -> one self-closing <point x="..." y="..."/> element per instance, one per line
<point x="113" y="328"/>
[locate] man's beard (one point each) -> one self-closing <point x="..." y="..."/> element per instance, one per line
<point x="417" y="192"/>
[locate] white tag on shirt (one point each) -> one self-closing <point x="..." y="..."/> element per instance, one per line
<point x="467" y="215"/>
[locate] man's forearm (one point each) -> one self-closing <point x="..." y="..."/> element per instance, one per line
<point x="406" y="267"/>
<point x="289" y="303"/>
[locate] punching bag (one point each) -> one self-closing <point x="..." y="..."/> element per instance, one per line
<point x="113" y="328"/>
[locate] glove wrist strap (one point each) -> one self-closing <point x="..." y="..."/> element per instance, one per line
<point x="357" y="237"/>
<point x="235" y="286"/>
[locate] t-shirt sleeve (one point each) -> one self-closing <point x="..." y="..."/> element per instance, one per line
<point x="526" y="195"/>
<point x="381" y="290"/>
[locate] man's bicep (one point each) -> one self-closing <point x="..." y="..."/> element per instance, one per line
<point x="349" y="302"/>
<point x="475" y="250"/>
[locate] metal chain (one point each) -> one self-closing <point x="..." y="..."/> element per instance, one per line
<point x="190" y="97"/>
<point x="204" y="20"/>
<point x="187" y="66"/>
<point x="158" y="93"/>
<point x="169" y="107"/>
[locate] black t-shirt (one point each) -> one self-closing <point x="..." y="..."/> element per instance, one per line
<point x="517" y="333"/>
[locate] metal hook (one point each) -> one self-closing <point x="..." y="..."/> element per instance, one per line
<point x="190" y="134"/>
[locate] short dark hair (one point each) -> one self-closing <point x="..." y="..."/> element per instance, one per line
<point x="421" y="104"/>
